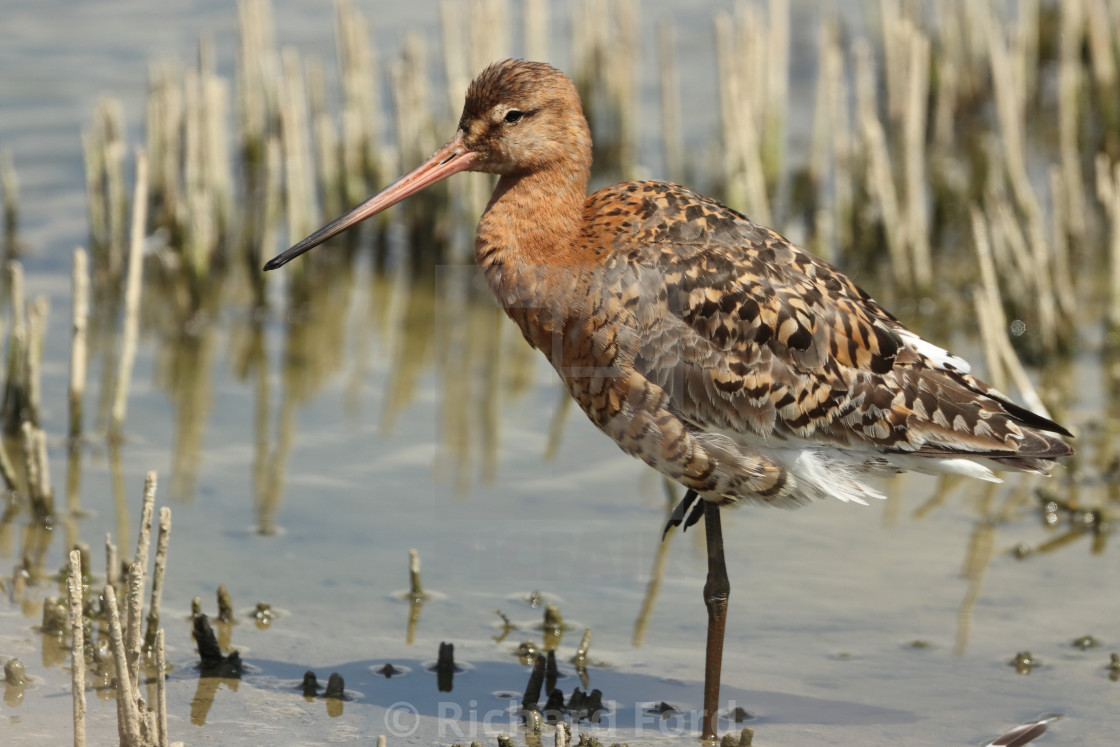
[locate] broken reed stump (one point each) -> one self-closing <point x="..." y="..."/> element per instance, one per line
<point x="14" y="673"/>
<point x="212" y="662"/>
<point x="551" y="674"/>
<point x="138" y="723"/>
<point x="445" y="667"/>
<point x="532" y="694"/>
<point x="580" y="659"/>
<point x="225" y="604"/>
<point x="415" y="595"/>
<point x="336" y="687"/>
<point x="78" y="659"/>
<point x="310" y="684"/>
<point x="415" y="586"/>
<point x="563" y="735"/>
<point x="554" y="708"/>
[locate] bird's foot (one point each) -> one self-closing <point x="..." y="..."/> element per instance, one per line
<point x="682" y="514"/>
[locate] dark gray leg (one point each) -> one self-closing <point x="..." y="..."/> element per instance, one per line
<point x="717" y="589"/>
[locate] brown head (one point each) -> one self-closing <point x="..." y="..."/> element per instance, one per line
<point x="524" y="116"/>
<point x="519" y="117"/>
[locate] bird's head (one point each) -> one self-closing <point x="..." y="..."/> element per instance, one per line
<point x="519" y="117"/>
<point x="523" y="116"/>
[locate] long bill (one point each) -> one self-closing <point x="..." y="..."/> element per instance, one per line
<point x="450" y="159"/>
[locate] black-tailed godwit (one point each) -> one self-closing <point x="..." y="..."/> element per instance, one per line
<point x="711" y="348"/>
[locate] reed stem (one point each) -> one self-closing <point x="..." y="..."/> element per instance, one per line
<point x="131" y="329"/>
<point x="79" y="286"/>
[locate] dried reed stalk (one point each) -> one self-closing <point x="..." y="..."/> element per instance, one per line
<point x="164" y="537"/>
<point x="1100" y="37"/>
<point x="1070" y="36"/>
<point x="103" y="149"/>
<point x="138" y="724"/>
<point x="112" y="562"/>
<point x="38" y="312"/>
<point x="669" y="88"/>
<point x="161" y="691"/>
<point x="914" y="157"/>
<point x="745" y="184"/>
<point x="1004" y="363"/>
<point x="79" y="285"/>
<point x="895" y="52"/>
<point x="300" y="202"/>
<point x="273" y="199"/>
<point x="361" y="111"/>
<point x="535" y="24"/>
<point x="1108" y="192"/>
<point x="134" y="602"/>
<point x="258" y="81"/>
<point x="77" y="648"/>
<point x="9" y="184"/>
<point x="326" y="142"/>
<point x="1065" y="294"/>
<point x="488" y="23"/>
<point x="38" y="476"/>
<point x="7" y="470"/>
<point x="131" y="329"/>
<point x="988" y="309"/>
<point x="880" y="180"/>
<point x="774" y="102"/>
<point x="128" y="715"/>
<point x="15" y="386"/>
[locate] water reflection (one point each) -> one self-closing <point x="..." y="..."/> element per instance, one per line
<point x="484" y="366"/>
<point x="337" y="317"/>
<point x="653" y="586"/>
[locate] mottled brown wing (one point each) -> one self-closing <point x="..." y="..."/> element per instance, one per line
<point x="751" y="336"/>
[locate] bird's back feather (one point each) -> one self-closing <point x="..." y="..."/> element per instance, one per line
<point x="749" y="367"/>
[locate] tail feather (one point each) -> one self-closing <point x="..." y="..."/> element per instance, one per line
<point x="1036" y="451"/>
<point x="971" y="420"/>
<point x="1032" y="420"/>
<point x="1017" y="413"/>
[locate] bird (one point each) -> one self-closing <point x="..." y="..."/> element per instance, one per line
<point x="722" y="355"/>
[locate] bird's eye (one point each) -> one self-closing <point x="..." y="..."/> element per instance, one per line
<point x="514" y="116"/>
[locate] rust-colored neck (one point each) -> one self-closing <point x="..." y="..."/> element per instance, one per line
<point x="529" y="249"/>
<point x="533" y="219"/>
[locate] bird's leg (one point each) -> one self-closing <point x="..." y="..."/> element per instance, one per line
<point x="717" y="589"/>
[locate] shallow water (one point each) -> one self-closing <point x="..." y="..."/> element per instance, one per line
<point x="419" y="421"/>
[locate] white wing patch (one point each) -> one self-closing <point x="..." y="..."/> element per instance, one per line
<point x="939" y="357"/>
